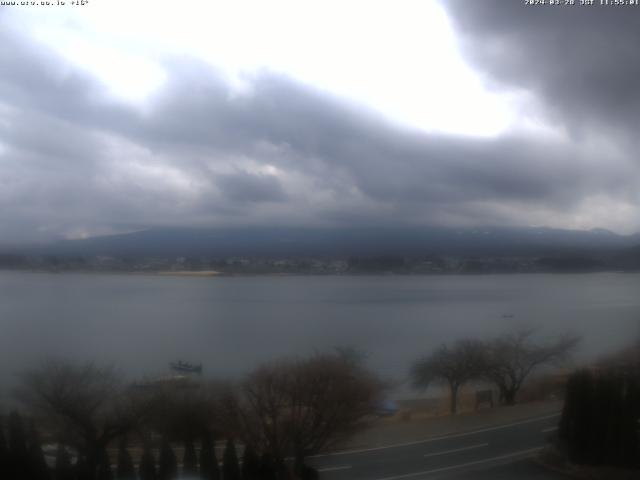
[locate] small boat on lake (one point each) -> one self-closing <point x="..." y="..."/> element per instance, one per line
<point x="186" y="367"/>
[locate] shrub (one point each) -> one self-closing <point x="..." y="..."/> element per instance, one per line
<point x="599" y="423"/>
<point x="147" y="467"/>
<point x="190" y="459"/>
<point x="230" y="467"/>
<point x="208" y="461"/>
<point x="126" y="469"/>
<point x="167" y="464"/>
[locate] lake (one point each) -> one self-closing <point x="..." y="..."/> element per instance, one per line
<point x="230" y="324"/>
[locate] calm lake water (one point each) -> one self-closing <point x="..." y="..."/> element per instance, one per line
<point x="230" y="324"/>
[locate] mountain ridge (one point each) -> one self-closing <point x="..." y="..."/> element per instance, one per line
<point x="296" y="242"/>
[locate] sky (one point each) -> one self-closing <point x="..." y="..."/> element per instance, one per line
<point x="117" y="116"/>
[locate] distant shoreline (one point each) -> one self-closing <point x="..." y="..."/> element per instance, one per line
<point x="216" y="273"/>
<point x="189" y="273"/>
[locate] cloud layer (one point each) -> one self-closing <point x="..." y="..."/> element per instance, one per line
<point x="581" y="61"/>
<point x="76" y="162"/>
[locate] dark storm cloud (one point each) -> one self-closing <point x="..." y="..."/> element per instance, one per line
<point x="317" y="134"/>
<point x="582" y="61"/>
<point x="75" y="161"/>
<point x="248" y="187"/>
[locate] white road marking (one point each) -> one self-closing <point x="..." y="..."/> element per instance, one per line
<point x="435" y="439"/>
<point x="521" y="453"/>
<point x="550" y="429"/>
<point x="333" y="469"/>
<point x="444" y="452"/>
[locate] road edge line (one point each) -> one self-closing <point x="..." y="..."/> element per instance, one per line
<point x="435" y="439"/>
<point x="520" y="453"/>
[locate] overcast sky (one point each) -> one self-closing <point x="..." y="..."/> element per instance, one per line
<point x="117" y="116"/>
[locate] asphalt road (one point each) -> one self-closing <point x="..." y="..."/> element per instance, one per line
<point x="495" y="452"/>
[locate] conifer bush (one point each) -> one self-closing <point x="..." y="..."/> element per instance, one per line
<point x="230" y="466"/>
<point x="167" y="463"/>
<point x="125" y="469"/>
<point x="147" y="467"/>
<point x="600" y="419"/>
<point x="208" y="461"/>
<point x="18" y="455"/>
<point x="250" y="464"/>
<point x="190" y="459"/>
<point x="63" y="470"/>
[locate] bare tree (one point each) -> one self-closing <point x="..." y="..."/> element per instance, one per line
<point x="300" y="408"/>
<point x="185" y="412"/>
<point x="84" y="404"/>
<point x="510" y="359"/>
<point x="452" y="365"/>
